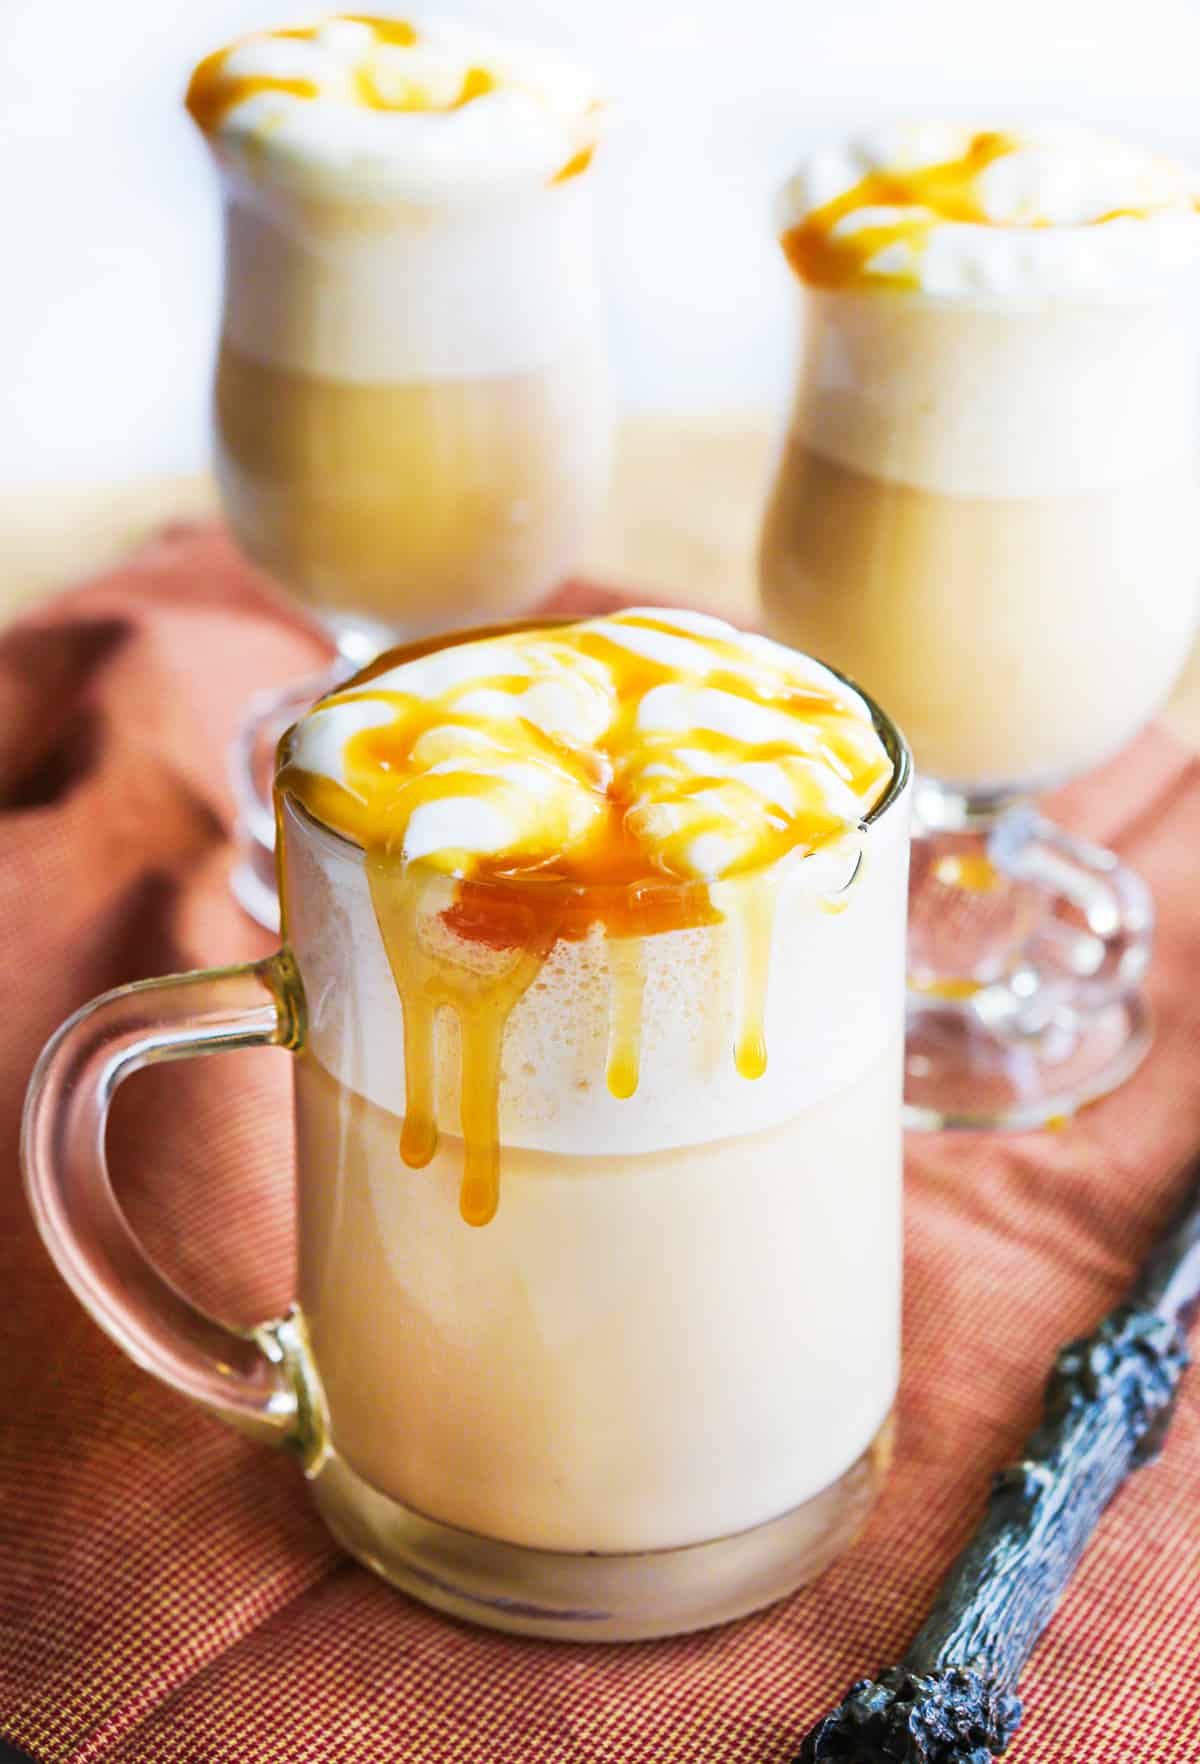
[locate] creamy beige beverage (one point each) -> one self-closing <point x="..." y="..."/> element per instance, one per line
<point x="625" y="1362"/>
<point x="985" y="504"/>
<point x="412" y="412"/>
<point x="600" y="928"/>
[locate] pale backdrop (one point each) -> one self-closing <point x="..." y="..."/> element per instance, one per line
<point x="109" y="284"/>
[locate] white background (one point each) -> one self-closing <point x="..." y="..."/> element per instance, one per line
<point x="109" y="265"/>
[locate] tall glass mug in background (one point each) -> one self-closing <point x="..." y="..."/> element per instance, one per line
<point x="411" y="405"/>
<point x="594" y="977"/>
<point x="985" y="509"/>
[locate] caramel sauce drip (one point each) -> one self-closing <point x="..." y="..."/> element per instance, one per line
<point x="627" y="980"/>
<point x="753" y="920"/>
<point x="432" y="976"/>
<point x="473" y="937"/>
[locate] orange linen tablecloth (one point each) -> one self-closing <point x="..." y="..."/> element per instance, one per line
<point x="166" y="1594"/>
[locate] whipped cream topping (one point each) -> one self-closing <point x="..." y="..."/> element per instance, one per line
<point x="418" y="111"/>
<point x="955" y="211"/>
<point x="649" y="743"/>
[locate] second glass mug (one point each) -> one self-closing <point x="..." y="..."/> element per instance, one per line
<point x="988" y="508"/>
<point x="654" y="1391"/>
<point x="413" y="421"/>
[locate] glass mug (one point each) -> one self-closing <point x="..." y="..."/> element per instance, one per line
<point x="412" y="415"/>
<point x="987" y="507"/>
<point x="411" y="406"/>
<point x="654" y="1391"/>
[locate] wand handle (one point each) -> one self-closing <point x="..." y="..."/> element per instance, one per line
<point x="1107" y="1405"/>
<point x="1107" y="1408"/>
<point x="1169" y="1279"/>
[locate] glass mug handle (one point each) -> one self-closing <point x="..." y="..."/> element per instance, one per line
<point x="1108" y="956"/>
<point x="240" y="1375"/>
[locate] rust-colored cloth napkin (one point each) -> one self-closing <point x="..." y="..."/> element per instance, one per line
<point x="166" y="1594"/>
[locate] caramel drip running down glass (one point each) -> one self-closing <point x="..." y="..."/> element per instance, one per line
<point x="411" y="408"/>
<point x="594" y="976"/>
<point x="985" y="508"/>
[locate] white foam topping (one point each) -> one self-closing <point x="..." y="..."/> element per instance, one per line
<point x="669" y="736"/>
<point x="956" y="211"/>
<point x="427" y="112"/>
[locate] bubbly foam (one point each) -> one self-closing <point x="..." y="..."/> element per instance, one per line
<point x="577" y="843"/>
<point x="428" y="111"/>
<point x="959" y="212"/>
<point x="833" y="1003"/>
<point x="651" y="743"/>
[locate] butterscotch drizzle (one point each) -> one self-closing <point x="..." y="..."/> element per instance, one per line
<point x="604" y="829"/>
<point x="396" y="31"/>
<point x="900" y="205"/>
<point x="753" y="916"/>
<point x="212" y="93"/>
<point x="576" y="165"/>
<point x="378" y="79"/>
<point x="480" y="983"/>
<point x="944" y="191"/>
<point x="627" y="981"/>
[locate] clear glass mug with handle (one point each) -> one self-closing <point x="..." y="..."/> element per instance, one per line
<point x="987" y="507"/>
<point x="411" y="408"/>
<point x="650" y="1387"/>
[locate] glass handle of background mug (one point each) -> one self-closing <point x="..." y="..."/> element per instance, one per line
<point x="1104" y="957"/>
<point x="252" y="775"/>
<point x="269" y="715"/>
<point x="238" y="1374"/>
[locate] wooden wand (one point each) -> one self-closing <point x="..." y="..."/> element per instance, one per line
<point x="1108" y="1404"/>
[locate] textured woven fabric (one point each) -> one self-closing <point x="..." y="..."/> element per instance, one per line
<point x="166" y="1594"/>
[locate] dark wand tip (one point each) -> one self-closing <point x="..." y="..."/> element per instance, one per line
<point x="955" y="1716"/>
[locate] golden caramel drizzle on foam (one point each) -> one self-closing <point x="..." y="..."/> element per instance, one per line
<point x="945" y="191"/>
<point x="511" y="907"/>
<point x="212" y="92"/>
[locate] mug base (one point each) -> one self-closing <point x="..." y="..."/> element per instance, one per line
<point x="562" y="1596"/>
<point x="962" y="1072"/>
